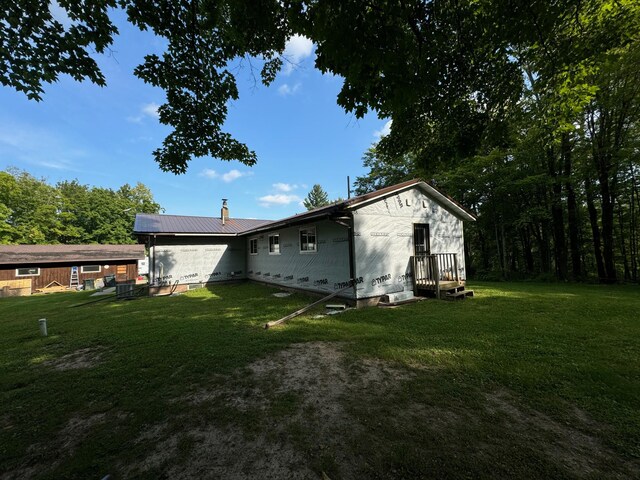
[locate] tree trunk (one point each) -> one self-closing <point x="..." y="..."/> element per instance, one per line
<point x="623" y="247"/>
<point x="607" y="228"/>
<point x="499" y="250"/>
<point x="572" y="210"/>
<point x="634" y="228"/>
<point x="557" y="218"/>
<point x="526" y="251"/>
<point x="595" y="229"/>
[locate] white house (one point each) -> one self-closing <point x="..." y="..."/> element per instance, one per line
<point x="403" y="238"/>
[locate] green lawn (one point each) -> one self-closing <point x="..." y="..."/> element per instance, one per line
<point x="522" y="381"/>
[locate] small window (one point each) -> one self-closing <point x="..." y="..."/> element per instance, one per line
<point x="274" y="244"/>
<point x="90" y="269"/>
<point x="253" y="246"/>
<point x="308" y="240"/>
<point x="27" y="272"/>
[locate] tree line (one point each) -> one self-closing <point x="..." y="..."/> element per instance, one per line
<point x="555" y="182"/>
<point x="35" y="212"/>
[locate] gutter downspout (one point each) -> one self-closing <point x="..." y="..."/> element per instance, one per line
<point x="352" y="257"/>
<point x="153" y="256"/>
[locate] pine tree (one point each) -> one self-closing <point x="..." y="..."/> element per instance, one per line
<point x="317" y="197"/>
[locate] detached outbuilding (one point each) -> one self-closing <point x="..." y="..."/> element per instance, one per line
<point x="40" y="265"/>
<point x="407" y="238"/>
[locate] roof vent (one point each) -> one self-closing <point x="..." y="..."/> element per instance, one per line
<point x="224" y="211"/>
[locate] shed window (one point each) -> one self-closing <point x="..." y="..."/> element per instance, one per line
<point x="27" y="272"/>
<point x="90" y="269"/>
<point x="274" y="244"/>
<point x="308" y="240"/>
<point x="253" y="246"/>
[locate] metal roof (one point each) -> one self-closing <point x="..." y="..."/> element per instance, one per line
<point x="180" y="224"/>
<point x="35" y="254"/>
<point x="150" y="223"/>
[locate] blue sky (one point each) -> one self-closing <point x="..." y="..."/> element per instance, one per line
<point x="105" y="136"/>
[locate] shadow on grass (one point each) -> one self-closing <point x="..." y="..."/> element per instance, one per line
<point x="552" y="351"/>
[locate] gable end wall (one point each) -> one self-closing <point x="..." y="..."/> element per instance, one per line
<point x="383" y="240"/>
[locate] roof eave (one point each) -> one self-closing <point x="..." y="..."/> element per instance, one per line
<point x="294" y="221"/>
<point x="19" y="261"/>
<point x="189" y="234"/>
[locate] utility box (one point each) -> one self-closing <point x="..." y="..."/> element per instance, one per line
<point x="125" y="290"/>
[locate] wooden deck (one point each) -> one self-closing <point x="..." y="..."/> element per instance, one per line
<point x="437" y="275"/>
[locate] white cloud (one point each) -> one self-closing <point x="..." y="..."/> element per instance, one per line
<point x="384" y="131"/>
<point x="209" y="173"/>
<point x="234" y="174"/>
<point x="278" y="199"/>
<point x="147" y="110"/>
<point x="285" y="89"/>
<point x="151" y="109"/>
<point x="284" y="187"/>
<point x="228" y="177"/>
<point x="296" y="50"/>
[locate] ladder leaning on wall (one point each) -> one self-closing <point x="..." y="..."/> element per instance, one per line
<point x="74" y="282"/>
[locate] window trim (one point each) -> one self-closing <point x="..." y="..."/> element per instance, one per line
<point x="274" y="235"/>
<point x="315" y="244"/>
<point x="83" y="266"/>
<point x="27" y="274"/>
<point x="251" y="240"/>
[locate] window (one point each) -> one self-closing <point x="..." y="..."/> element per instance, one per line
<point x="253" y="246"/>
<point x="274" y="244"/>
<point x="90" y="269"/>
<point x="308" y="240"/>
<point x="27" y="272"/>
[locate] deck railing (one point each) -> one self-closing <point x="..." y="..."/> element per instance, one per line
<point x="431" y="270"/>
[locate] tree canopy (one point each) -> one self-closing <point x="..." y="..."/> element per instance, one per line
<point x="416" y="61"/>
<point x="556" y="185"/>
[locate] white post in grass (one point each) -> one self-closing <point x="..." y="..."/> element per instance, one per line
<point x="43" y="326"/>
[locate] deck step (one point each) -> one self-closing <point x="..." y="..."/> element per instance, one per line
<point x="336" y="306"/>
<point x="398" y="298"/>
<point x="458" y="294"/>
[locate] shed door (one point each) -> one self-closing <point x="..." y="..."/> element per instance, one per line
<point x="421" y="239"/>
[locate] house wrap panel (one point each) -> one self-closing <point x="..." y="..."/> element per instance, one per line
<point x="326" y="270"/>
<point x="383" y="240"/>
<point x="216" y="261"/>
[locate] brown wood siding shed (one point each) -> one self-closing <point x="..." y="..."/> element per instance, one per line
<point x="61" y="272"/>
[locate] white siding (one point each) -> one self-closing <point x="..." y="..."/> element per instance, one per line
<point x="384" y="240"/>
<point x="326" y="270"/>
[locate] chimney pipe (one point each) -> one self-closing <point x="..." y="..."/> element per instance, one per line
<point x="224" y="211"/>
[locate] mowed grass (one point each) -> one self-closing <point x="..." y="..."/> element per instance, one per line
<point x="483" y="371"/>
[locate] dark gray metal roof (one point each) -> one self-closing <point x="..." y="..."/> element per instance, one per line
<point x="151" y="223"/>
<point x="35" y="254"/>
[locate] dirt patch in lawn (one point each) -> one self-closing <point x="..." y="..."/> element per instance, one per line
<point x="312" y="409"/>
<point x="292" y="407"/>
<point x="81" y="358"/>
